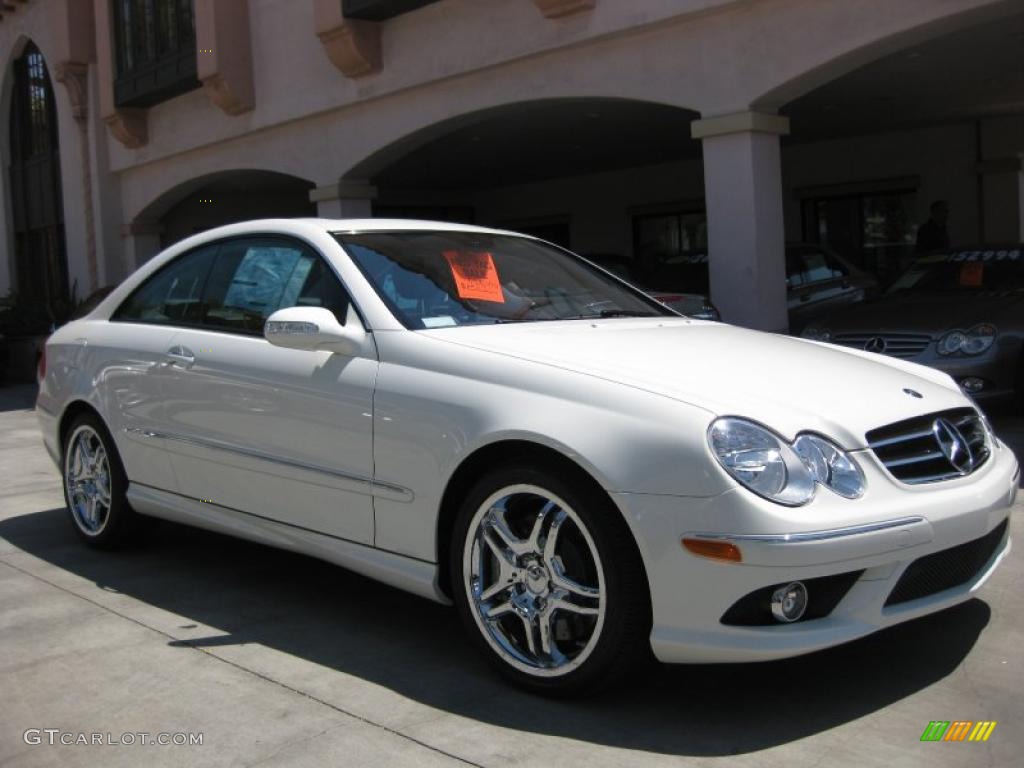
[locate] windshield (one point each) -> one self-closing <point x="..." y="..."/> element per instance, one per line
<point x="441" y="279"/>
<point x="976" y="270"/>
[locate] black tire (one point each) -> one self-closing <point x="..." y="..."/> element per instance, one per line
<point x="121" y="525"/>
<point x="622" y="646"/>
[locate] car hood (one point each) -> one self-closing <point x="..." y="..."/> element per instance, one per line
<point x="786" y="383"/>
<point x="931" y="313"/>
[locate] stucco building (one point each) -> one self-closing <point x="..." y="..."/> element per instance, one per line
<point x="632" y="127"/>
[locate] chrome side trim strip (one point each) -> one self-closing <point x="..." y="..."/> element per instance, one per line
<point x="796" y="538"/>
<point x="374" y="487"/>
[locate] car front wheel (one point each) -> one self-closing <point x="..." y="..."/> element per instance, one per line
<point x="548" y="582"/>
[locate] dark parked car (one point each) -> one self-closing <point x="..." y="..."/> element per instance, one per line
<point x="685" y="302"/>
<point x="818" y="281"/>
<point x="961" y="311"/>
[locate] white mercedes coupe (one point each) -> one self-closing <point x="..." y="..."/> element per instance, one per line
<point x="485" y="419"/>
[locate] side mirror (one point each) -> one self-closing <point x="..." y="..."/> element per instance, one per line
<point x="314" y="328"/>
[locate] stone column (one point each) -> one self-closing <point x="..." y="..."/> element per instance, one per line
<point x="75" y="77"/>
<point x="344" y="200"/>
<point x="746" y="238"/>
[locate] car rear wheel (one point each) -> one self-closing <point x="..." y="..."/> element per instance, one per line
<point x="95" y="485"/>
<point x="548" y="582"/>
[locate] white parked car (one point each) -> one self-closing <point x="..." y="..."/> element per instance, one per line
<point x="480" y="418"/>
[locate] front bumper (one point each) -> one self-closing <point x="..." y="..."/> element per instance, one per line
<point x="997" y="371"/>
<point x="881" y="534"/>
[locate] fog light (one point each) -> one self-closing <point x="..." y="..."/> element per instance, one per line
<point x="972" y="384"/>
<point x="789" y="602"/>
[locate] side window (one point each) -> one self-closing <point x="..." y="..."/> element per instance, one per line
<point x="172" y="295"/>
<point x="814" y="266"/>
<point x="838" y="268"/>
<point x="251" y="279"/>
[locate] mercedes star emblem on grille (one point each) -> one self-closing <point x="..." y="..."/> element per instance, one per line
<point x="953" y="446"/>
<point x="875" y="344"/>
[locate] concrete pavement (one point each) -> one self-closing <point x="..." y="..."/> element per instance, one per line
<point x="277" y="659"/>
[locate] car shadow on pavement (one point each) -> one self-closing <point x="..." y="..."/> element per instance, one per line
<point x="341" y="621"/>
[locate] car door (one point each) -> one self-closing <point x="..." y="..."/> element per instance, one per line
<point x="131" y="364"/>
<point x="280" y="434"/>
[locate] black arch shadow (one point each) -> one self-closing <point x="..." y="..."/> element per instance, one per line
<point x="342" y="621"/>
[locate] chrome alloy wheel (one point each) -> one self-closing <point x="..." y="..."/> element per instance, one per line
<point x="534" y="580"/>
<point x="87" y="480"/>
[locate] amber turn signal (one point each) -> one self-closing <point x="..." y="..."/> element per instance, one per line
<point x="716" y="550"/>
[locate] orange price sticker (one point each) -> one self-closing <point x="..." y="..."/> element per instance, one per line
<point x="972" y="273"/>
<point x="475" y="275"/>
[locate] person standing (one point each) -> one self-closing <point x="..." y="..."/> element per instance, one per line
<point x="933" y="234"/>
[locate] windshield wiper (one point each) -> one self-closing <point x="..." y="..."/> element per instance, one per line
<point x="604" y="313"/>
<point x="625" y="313"/>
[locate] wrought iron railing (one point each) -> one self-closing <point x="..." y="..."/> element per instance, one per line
<point x="155" y="50"/>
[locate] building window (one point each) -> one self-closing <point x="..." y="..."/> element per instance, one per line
<point x="874" y="230"/>
<point x="155" y="51"/>
<point x="672" y="247"/>
<point x="37" y="207"/>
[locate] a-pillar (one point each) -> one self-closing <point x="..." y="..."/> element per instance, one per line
<point x="344" y="200"/>
<point x="746" y="237"/>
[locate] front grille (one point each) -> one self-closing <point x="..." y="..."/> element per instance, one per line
<point x="949" y="568"/>
<point x="915" y="451"/>
<point x="894" y="344"/>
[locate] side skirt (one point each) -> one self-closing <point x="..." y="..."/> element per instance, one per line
<point x="405" y="573"/>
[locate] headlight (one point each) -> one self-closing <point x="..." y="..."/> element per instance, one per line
<point x="973" y="342"/>
<point x="816" y="334"/>
<point x="762" y="462"/>
<point x="831" y="466"/>
<point x="787" y="474"/>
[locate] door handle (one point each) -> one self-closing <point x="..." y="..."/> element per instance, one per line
<point x="180" y="356"/>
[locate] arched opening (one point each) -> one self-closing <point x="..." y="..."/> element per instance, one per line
<point x="224" y="198"/>
<point x="40" y="258"/>
<point x="871" y="150"/>
<point x="909" y="170"/>
<point x="618" y="178"/>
